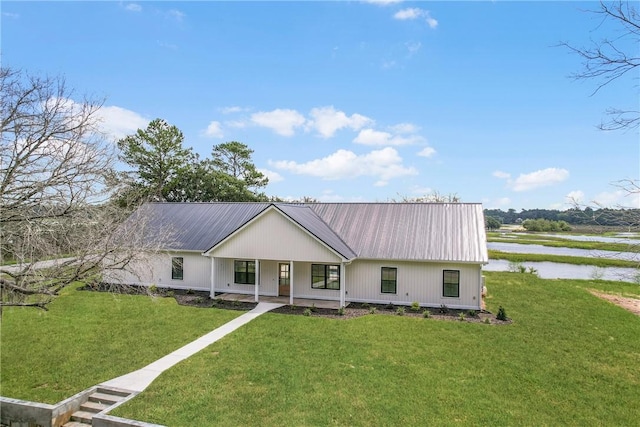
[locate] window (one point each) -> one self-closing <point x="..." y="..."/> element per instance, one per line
<point x="244" y="272"/>
<point x="389" y="281"/>
<point x="325" y="276"/>
<point x="177" y="268"/>
<point x="451" y="283"/>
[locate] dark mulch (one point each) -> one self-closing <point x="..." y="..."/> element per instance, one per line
<point x="201" y="299"/>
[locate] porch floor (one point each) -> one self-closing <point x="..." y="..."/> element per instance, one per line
<point x="300" y="302"/>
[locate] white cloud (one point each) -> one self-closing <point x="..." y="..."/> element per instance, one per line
<point x="501" y="175"/>
<point x="383" y="2"/>
<point x="238" y="124"/>
<point x="327" y="120"/>
<point x="272" y="175"/>
<point x="133" y="7"/>
<point x="282" y="122"/>
<point x="388" y="64"/>
<point x="384" y="164"/>
<point x="119" y="122"/>
<point x="214" y="130"/>
<point x="413" y="47"/>
<point x="405" y="128"/>
<point x="375" y="137"/>
<point x="176" y="14"/>
<point x="576" y="196"/>
<point x="412" y="13"/>
<point x="11" y="15"/>
<point x="539" y="178"/>
<point x="617" y="199"/>
<point x="427" y="152"/>
<point x="233" y="109"/>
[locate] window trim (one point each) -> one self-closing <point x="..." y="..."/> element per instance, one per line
<point x="445" y="283"/>
<point x="326" y="276"/>
<point x="395" y="280"/>
<point x="177" y="268"/>
<point x="245" y="263"/>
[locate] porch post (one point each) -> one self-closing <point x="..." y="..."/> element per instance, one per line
<point x="257" y="279"/>
<point x="343" y="291"/>
<point x="212" y="292"/>
<point x="290" y="282"/>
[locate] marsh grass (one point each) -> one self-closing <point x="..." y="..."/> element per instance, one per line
<point x="568" y="358"/>
<point x="565" y="259"/>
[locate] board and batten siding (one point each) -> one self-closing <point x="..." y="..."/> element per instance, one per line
<point x="155" y="269"/>
<point x="272" y="236"/>
<point x="416" y="281"/>
<point x="224" y="277"/>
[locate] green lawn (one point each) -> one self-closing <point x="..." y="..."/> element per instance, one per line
<point x="88" y="337"/>
<point x="569" y="358"/>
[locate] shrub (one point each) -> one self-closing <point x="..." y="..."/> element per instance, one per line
<point x="153" y="289"/>
<point x="372" y="310"/>
<point x="170" y="294"/>
<point x="471" y="313"/>
<point x="307" y="312"/>
<point x="426" y="314"/>
<point x="502" y="315"/>
<point x="389" y="306"/>
<point x="313" y="308"/>
<point x="236" y="302"/>
<point x="190" y="292"/>
<point x="365" y="305"/>
<point x="415" y="306"/>
<point x="461" y="316"/>
<point x="444" y="309"/>
<point x="400" y="311"/>
<point x="199" y="300"/>
<point x="487" y="320"/>
<point x="341" y="311"/>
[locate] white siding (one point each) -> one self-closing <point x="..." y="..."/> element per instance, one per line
<point x="155" y="269"/>
<point x="416" y="281"/>
<point x="271" y="236"/>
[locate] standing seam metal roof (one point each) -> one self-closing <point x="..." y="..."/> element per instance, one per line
<point x="452" y="232"/>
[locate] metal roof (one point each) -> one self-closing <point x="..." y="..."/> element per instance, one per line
<point x="410" y="231"/>
<point x="401" y="231"/>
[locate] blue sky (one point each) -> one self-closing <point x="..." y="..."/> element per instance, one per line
<point x="353" y="101"/>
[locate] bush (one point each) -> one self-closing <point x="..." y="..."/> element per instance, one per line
<point x="313" y="308"/>
<point x="415" y="306"/>
<point x="170" y="294"/>
<point x="471" y="313"/>
<point x="444" y="309"/>
<point x="199" y="300"/>
<point x="487" y="320"/>
<point x="341" y="311"/>
<point x="190" y="292"/>
<point x="461" y="316"/>
<point x="153" y="289"/>
<point x="389" y="306"/>
<point x="426" y="314"/>
<point x="307" y="312"/>
<point x="400" y="311"/>
<point x="372" y="310"/>
<point x="502" y="314"/>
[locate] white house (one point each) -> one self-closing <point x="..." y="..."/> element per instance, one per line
<point x="432" y="253"/>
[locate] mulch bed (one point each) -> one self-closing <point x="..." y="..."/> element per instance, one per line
<point x="201" y="299"/>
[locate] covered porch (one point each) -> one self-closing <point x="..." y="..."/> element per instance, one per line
<point x="300" y="302"/>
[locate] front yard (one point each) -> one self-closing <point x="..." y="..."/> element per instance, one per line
<point x="568" y="358"/>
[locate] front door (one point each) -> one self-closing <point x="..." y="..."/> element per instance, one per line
<point x="284" y="280"/>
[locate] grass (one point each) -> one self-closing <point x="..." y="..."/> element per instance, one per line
<point x="559" y="242"/>
<point x="569" y="358"/>
<point x="88" y="337"/>
<point x="565" y="259"/>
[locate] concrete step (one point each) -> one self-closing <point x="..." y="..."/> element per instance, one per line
<point x="94" y="407"/>
<point x="114" y="391"/>
<point x="82" y="416"/>
<point x="107" y="399"/>
<point x="75" y="424"/>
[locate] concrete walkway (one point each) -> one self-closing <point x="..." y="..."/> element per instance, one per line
<point x="137" y="381"/>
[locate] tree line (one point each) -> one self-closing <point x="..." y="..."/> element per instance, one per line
<point x="573" y="216"/>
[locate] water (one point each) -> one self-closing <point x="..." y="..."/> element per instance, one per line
<point x="554" y="270"/>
